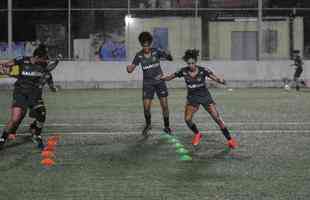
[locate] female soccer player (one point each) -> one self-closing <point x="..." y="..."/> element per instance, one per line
<point x="33" y="73"/>
<point x="149" y="59"/>
<point x="198" y="94"/>
<point x="298" y="63"/>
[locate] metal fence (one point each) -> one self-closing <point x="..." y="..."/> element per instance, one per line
<point x="108" y="30"/>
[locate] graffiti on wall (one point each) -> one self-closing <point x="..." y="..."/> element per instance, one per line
<point x="18" y="49"/>
<point x="108" y="47"/>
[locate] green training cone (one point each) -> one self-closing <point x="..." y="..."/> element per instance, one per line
<point x="178" y="145"/>
<point x="165" y="136"/>
<point x="182" y="151"/>
<point x="173" y="140"/>
<point x="185" y="157"/>
<point x="226" y="150"/>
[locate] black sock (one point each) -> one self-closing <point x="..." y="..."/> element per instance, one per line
<point x="147" y="116"/>
<point x="166" y="122"/>
<point x="192" y="126"/>
<point x="226" y="133"/>
<point x="38" y="131"/>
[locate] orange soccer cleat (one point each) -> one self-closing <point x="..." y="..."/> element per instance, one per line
<point x="196" y="139"/>
<point x="232" y="143"/>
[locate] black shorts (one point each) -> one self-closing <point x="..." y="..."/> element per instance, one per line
<point x="27" y="99"/>
<point x="196" y="101"/>
<point x="297" y="73"/>
<point x="150" y="89"/>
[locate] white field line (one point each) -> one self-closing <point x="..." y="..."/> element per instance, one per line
<point x="117" y="124"/>
<point x="160" y="132"/>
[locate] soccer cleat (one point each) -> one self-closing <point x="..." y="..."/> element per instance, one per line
<point x="12" y="136"/>
<point x="33" y="127"/>
<point x="37" y="139"/>
<point x="2" y="142"/>
<point x="196" y="139"/>
<point x="167" y="130"/>
<point x="232" y="143"/>
<point x="146" y="129"/>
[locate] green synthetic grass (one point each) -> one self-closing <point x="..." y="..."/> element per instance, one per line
<point x="116" y="162"/>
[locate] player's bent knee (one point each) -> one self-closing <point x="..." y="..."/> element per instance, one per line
<point x="38" y="113"/>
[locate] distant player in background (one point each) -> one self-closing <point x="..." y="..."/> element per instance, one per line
<point x="32" y="74"/>
<point x="198" y="94"/>
<point x="149" y="59"/>
<point x="298" y="63"/>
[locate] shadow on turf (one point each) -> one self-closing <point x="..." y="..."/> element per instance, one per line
<point x="142" y="148"/>
<point x="23" y="156"/>
<point x="17" y="142"/>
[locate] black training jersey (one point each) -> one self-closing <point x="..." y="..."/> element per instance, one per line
<point x="151" y="65"/>
<point x="195" y="85"/>
<point x="30" y="76"/>
<point x="298" y="63"/>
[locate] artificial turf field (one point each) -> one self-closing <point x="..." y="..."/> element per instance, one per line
<point x="102" y="155"/>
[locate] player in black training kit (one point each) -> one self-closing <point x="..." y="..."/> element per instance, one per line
<point x="298" y="70"/>
<point x="33" y="73"/>
<point x="149" y="59"/>
<point x="198" y="94"/>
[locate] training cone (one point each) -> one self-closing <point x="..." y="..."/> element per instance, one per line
<point x="55" y="138"/>
<point x="179" y="145"/>
<point x="185" y="157"/>
<point x="226" y="150"/>
<point x="47" y="154"/>
<point x="165" y="136"/>
<point x="51" y="142"/>
<point x="47" y="162"/>
<point x="173" y="140"/>
<point x="49" y="148"/>
<point x="182" y="151"/>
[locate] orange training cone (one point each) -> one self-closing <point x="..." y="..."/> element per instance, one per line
<point x="47" y="162"/>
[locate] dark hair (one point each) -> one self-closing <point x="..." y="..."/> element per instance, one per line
<point x="145" y="37"/>
<point x="191" y="53"/>
<point x="40" y="51"/>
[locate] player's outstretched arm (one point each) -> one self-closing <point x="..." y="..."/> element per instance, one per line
<point x="217" y="79"/>
<point x="163" y="53"/>
<point x="130" y="68"/>
<point x="167" y="77"/>
<point x="50" y="82"/>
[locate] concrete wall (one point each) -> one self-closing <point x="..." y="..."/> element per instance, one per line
<point x="183" y="33"/>
<point x="220" y="37"/>
<point x="298" y="34"/>
<point x="114" y="75"/>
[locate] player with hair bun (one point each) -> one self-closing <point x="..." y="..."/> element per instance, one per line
<point x="198" y="94"/>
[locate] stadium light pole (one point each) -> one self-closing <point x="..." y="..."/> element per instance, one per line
<point x="196" y="26"/>
<point x="10" y="29"/>
<point x="127" y="22"/>
<point x="69" y="29"/>
<point x="259" y="29"/>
